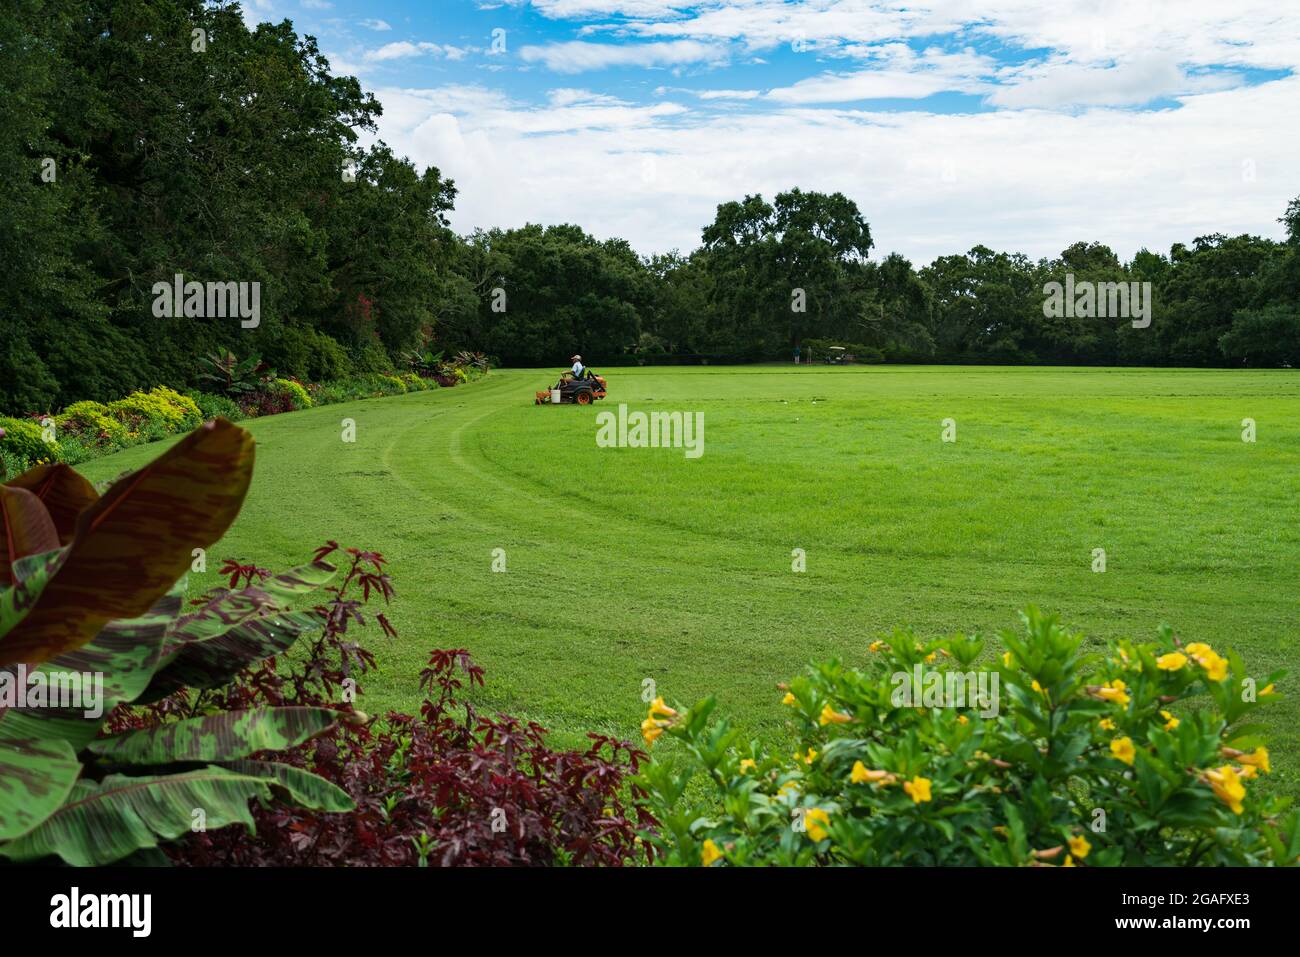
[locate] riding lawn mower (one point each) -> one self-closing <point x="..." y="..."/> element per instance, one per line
<point x="582" y="391"/>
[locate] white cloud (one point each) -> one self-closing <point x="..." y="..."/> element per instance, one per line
<point x="897" y="72"/>
<point x="577" y="56"/>
<point x="316" y="4"/>
<point x="727" y="94"/>
<point x="377" y="25"/>
<point x="1024" y="180"/>
<point x="402" y="49"/>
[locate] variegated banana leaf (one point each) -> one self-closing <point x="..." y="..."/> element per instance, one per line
<point x="228" y="608"/>
<point x="131" y="545"/>
<point x="234" y="629"/>
<point x="64" y="493"/>
<point x="107" y="821"/>
<point x="302" y="787"/>
<point x="213" y="662"/>
<point x="25" y="529"/>
<point x="36" y="777"/>
<point x="121" y="660"/>
<point x="222" y="736"/>
<point x="30" y="577"/>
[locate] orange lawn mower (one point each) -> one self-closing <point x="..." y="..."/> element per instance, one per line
<point x="583" y="391"/>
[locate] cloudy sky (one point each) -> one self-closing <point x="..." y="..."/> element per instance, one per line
<point x="1024" y="126"/>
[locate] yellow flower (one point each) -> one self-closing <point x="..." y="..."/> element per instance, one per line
<point x="1247" y="772"/>
<point x="1227" y="787"/>
<point x="789" y="698"/>
<point x="1258" y="759"/>
<point x="1122" y="748"/>
<point x="830" y="716"/>
<point x="1172" y="661"/>
<point x="806" y="758"/>
<point x="918" y="788"/>
<point x="861" y="774"/>
<point x="1106" y="724"/>
<point x="1069" y="861"/>
<point x="790" y="787"/>
<point x="1007" y="659"/>
<point x="747" y="765"/>
<point x="710" y="853"/>
<point x="660" y="710"/>
<point x="875" y="646"/>
<point x="962" y="719"/>
<point x="654" y="725"/>
<point x="816" y="821"/>
<point x="929" y="659"/>
<point x="1266" y="691"/>
<point x="1079" y="846"/>
<point x="1170" y="721"/>
<point x="1216" y="667"/>
<point x="1114" y="691"/>
<point x="651" y="729"/>
<point x="1037" y="687"/>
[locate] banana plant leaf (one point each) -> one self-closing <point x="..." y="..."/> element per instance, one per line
<point x="228" y="608"/>
<point x="303" y="787"/>
<point x="36" y="777"/>
<point x="106" y="821"/>
<point x="222" y="736"/>
<point x="30" y="577"/>
<point x="25" y="529"/>
<point x="131" y="545"/>
<point x="234" y="629"/>
<point x="123" y="658"/>
<point x="64" y="493"/>
<point x="213" y="662"/>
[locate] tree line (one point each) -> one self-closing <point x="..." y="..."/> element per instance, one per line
<point x="145" y="139"/>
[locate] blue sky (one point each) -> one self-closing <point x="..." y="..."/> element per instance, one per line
<point x="1021" y="125"/>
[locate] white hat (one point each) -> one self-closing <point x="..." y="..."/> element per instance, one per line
<point x="575" y="358"/>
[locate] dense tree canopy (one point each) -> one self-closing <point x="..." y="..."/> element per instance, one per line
<point x="145" y="139"/>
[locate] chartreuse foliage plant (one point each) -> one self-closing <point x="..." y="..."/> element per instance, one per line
<point x="1141" y="755"/>
<point x="89" y="588"/>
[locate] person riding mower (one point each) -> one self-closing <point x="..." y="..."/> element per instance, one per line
<point x="581" y="389"/>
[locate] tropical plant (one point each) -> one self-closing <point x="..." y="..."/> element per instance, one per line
<point x="1050" y="756"/>
<point x="89" y="597"/>
<point x="233" y="377"/>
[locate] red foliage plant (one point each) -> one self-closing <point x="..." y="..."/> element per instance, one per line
<point x="450" y="786"/>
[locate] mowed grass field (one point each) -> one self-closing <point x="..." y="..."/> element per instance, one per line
<point x="624" y="564"/>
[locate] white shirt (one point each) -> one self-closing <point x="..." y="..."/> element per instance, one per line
<point x="577" y="369"/>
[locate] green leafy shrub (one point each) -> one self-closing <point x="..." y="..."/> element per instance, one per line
<point x="298" y="396"/>
<point x="211" y="406"/>
<point x="160" y="411"/>
<point x="413" y="382"/>
<point x="193" y="417"/>
<point x="94" y="424"/>
<point x="307" y="353"/>
<point x="371" y="359"/>
<point x="24" y="444"/>
<point x="1050" y="756"/>
<point x="391" y="385"/>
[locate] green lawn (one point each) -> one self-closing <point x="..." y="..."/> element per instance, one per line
<point x="627" y="564"/>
